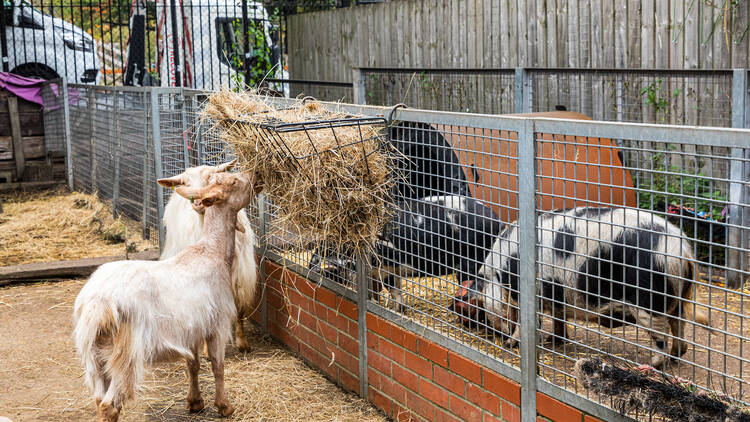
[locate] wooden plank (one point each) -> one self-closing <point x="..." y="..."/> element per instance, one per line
<point x="608" y="34"/>
<point x="690" y="61"/>
<point x="415" y="37"/>
<point x="647" y="49"/>
<point x="398" y="54"/>
<point x="738" y="37"/>
<point x="597" y="52"/>
<point x="584" y="36"/>
<point x="633" y="34"/>
<point x="505" y="45"/>
<point x="705" y="46"/>
<point x="532" y="37"/>
<point x="489" y="34"/>
<point x="30" y="186"/>
<point x="462" y="34"/>
<point x="551" y="36"/>
<point x="676" y="61"/>
<point x="621" y="36"/>
<point x="721" y="50"/>
<point x="15" y="130"/>
<point x="662" y="42"/>
<point x="477" y="34"/>
<point x="33" y="147"/>
<point x="562" y="28"/>
<point x="31" y="123"/>
<point x="523" y="31"/>
<point x="64" y="269"/>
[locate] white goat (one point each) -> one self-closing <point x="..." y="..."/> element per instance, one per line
<point x="184" y="223"/>
<point x="133" y="313"/>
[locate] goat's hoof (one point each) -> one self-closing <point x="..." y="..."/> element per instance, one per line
<point x="195" y="405"/>
<point x="243" y="345"/>
<point x="224" y="409"/>
<point x="107" y="413"/>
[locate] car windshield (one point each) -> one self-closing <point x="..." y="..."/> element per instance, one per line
<point x="29" y="10"/>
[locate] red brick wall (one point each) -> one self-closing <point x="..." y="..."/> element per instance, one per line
<point x="410" y="378"/>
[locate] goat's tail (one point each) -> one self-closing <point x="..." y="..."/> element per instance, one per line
<point x="95" y="323"/>
<point x="691" y="311"/>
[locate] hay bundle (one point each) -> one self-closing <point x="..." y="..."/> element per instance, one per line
<point x="655" y="393"/>
<point x="331" y="175"/>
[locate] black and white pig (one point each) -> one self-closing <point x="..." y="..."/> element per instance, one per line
<point x="609" y="265"/>
<point x="433" y="236"/>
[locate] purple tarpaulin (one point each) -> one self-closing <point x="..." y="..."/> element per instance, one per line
<point x="30" y="89"/>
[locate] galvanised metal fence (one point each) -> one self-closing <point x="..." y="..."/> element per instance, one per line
<point x="652" y="271"/>
<point x="665" y="96"/>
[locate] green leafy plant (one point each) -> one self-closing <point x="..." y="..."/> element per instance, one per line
<point x="653" y="97"/>
<point x="260" y="55"/>
<point x="672" y="185"/>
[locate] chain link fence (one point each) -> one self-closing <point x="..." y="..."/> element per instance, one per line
<point x="523" y="244"/>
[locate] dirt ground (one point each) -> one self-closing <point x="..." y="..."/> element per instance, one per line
<point x="41" y="377"/>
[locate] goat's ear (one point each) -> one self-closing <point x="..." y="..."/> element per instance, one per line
<point x="171" y="182"/>
<point x="190" y="193"/>
<point x="239" y="227"/>
<point x="226" y="166"/>
<point x="211" y="196"/>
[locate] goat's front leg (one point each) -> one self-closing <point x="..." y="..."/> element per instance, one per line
<point x="216" y="349"/>
<point x="194" y="400"/>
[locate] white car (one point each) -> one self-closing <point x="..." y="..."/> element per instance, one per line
<point x="46" y="47"/>
<point x="210" y="60"/>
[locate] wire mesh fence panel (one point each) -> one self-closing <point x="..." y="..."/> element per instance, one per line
<point x="54" y="118"/>
<point x="81" y="130"/>
<point x="459" y="186"/>
<point x="698" y="98"/>
<point x="106" y="146"/>
<point x="134" y="169"/>
<point x="322" y="91"/>
<point x="641" y="246"/>
<point x="473" y="91"/>
<point x="112" y="153"/>
<point x="636" y="271"/>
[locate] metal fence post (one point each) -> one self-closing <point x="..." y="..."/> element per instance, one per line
<point x="738" y="176"/>
<point x="359" y="94"/>
<point x="155" y="128"/>
<point x="146" y="208"/>
<point x="363" y="265"/>
<point x="522" y="94"/>
<point x="66" y="123"/>
<point x="262" y="242"/>
<point x="92" y="139"/>
<point x="183" y="132"/>
<point x="118" y="150"/>
<point x="527" y="268"/>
